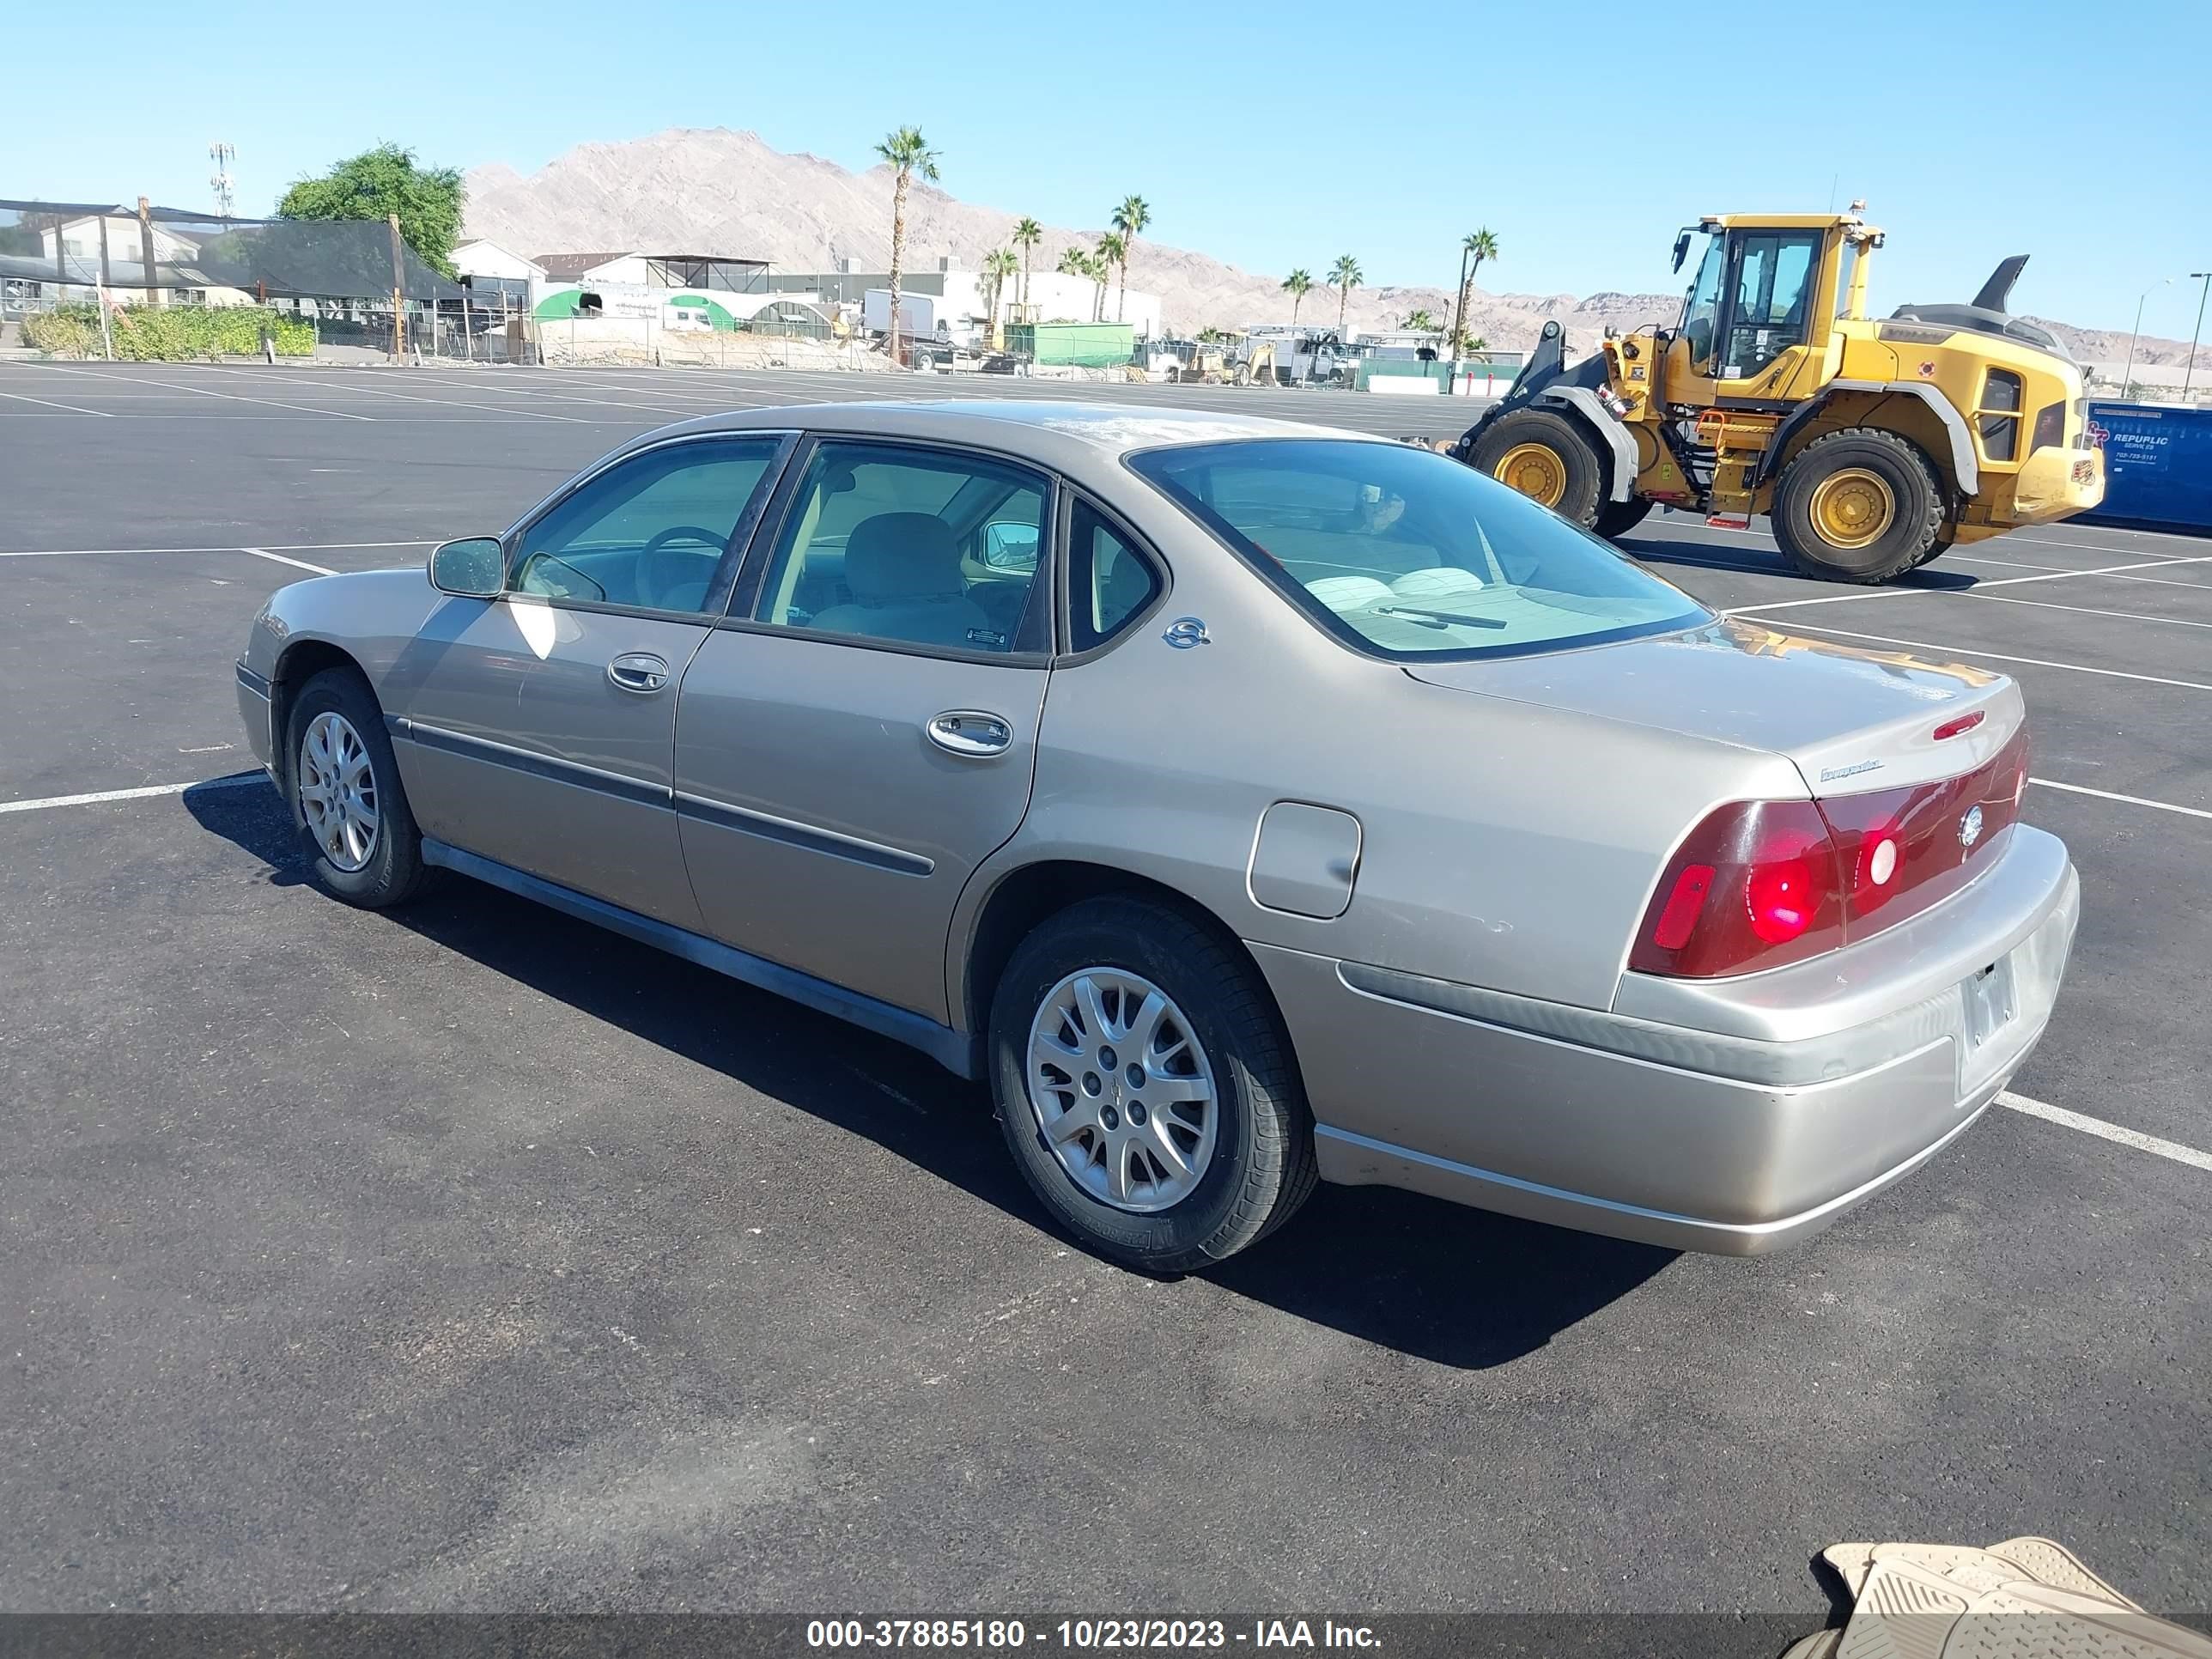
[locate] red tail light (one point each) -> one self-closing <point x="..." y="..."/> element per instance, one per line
<point x="1756" y="884"/>
<point x="1759" y="883"/>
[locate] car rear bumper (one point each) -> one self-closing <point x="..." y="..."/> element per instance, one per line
<point x="1750" y="1116"/>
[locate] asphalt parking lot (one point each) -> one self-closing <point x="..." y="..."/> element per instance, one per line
<point x="470" y="1258"/>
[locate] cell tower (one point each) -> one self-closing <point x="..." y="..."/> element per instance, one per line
<point x="221" y="155"/>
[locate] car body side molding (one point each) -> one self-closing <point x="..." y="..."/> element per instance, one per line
<point x="958" y="1052"/>
<point x="528" y="760"/>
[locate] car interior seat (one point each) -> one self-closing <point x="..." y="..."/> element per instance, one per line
<point x="902" y="570"/>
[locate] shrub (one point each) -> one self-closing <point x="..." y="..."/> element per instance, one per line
<point x="147" y="334"/>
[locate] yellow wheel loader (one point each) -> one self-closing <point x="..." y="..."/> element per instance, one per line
<point x="1871" y="446"/>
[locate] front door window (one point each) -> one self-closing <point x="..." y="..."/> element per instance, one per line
<point x="649" y="532"/>
<point x="1701" y="309"/>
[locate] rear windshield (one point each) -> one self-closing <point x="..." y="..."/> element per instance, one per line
<point x="1406" y="554"/>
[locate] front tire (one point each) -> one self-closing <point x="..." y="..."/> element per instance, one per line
<point x="1145" y="1087"/>
<point x="346" y="796"/>
<point x="1544" y="457"/>
<point x="1861" y="505"/>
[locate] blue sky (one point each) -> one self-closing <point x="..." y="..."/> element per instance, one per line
<point x="2079" y="133"/>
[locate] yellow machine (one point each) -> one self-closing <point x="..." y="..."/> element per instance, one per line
<point x="1872" y="446"/>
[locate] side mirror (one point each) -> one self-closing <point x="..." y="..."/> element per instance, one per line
<point x="1681" y="249"/>
<point x="1010" y="547"/>
<point x="474" y="568"/>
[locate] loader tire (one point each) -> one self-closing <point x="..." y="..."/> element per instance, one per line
<point x="1943" y="544"/>
<point x="1861" y="505"/>
<point x="1546" y="457"/>
<point x="1617" y="518"/>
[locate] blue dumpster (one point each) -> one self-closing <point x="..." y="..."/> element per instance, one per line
<point x="2158" y="465"/>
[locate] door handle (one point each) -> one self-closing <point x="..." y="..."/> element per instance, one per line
<point x="639" y="671"/>
<point x="970" y="732"/>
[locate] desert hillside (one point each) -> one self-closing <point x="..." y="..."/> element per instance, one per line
<point x="718" y="191"/>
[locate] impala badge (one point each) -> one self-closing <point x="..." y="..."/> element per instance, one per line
<point x="1969" y="827"/>
<point x="1185" y="632"/>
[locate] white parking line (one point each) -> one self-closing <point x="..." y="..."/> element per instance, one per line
<point x="2090" y="611"/>
<point x="2001" y="581"/>
<point x="232" y="782"/>
<point x="539" y="395"/>
<point x="2099" y="547"/>
<point x="273" y="547"/>
<point x="98" y="414"/>
<point x="2010" y="564"/>
<point x="2162" y="581"/>
<point x="2103" y="1131"/>
<point x="201" y="392"/>
<point x="2131" y="800"/>
<point x="296" y="564"/>
<point x="441" y="403"/>
<point x="1994" y="656"/>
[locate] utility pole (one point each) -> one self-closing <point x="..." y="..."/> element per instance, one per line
<point x="2188" y="374"/>
<point x="107" y="335"/>
<point x="2128" y="378"/>
<point x="1459" y="299"/>
<point x="146" y="248"/>
<point x="399" y="288"/>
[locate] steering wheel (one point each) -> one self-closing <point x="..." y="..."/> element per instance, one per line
<point x="660" y="575"/>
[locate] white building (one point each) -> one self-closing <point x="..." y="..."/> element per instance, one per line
<point x="614" y="267"/>
<point x="958" y="299"/>
<point x="483" y="257"/>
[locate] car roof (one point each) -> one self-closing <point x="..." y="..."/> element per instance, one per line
<point x="1045" y="429"/>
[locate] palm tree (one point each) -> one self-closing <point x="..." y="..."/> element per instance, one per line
<point x="1074" y="262"/>
<point x="1345" y="276"/>
<point x="1477" y="246"/>
<point x="908" y="153"/>
<point x="1296" y="285"/>
<point x="1028" y="233"/>
<point x="1420" y="322"/>
<point x="1113" y="249"/>
<point x="999" y="264"/>
<point x="1131" y="217"/>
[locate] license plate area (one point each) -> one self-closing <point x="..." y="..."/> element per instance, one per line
<point x="1990" y="1006"/>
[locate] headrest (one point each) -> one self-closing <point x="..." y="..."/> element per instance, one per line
<point x="902" y="556"/>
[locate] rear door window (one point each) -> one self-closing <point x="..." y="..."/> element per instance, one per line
<point x="923" y="547"/>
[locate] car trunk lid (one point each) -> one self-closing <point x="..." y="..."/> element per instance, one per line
<point x="1852" y="721"/>
<point x="1915" y="770"/>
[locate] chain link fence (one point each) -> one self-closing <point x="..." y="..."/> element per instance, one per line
<point x="114" y="280"/>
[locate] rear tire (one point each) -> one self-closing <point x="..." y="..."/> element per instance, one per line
<point x="1546" y="457"/>
<point x="1617" y="518"/>
<point x="1860" y="505"/>
<point x="344" y="786"/>
<point x="1249" y="1153"/>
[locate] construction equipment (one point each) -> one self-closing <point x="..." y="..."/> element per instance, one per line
<point x="1280" y="354"/>
<point x="1871" y="446"/>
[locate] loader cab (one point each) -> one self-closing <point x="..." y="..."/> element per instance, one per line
<point x="1755" y="322"/>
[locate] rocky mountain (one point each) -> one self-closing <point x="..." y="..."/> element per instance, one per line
<point x="694" y="190"/>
